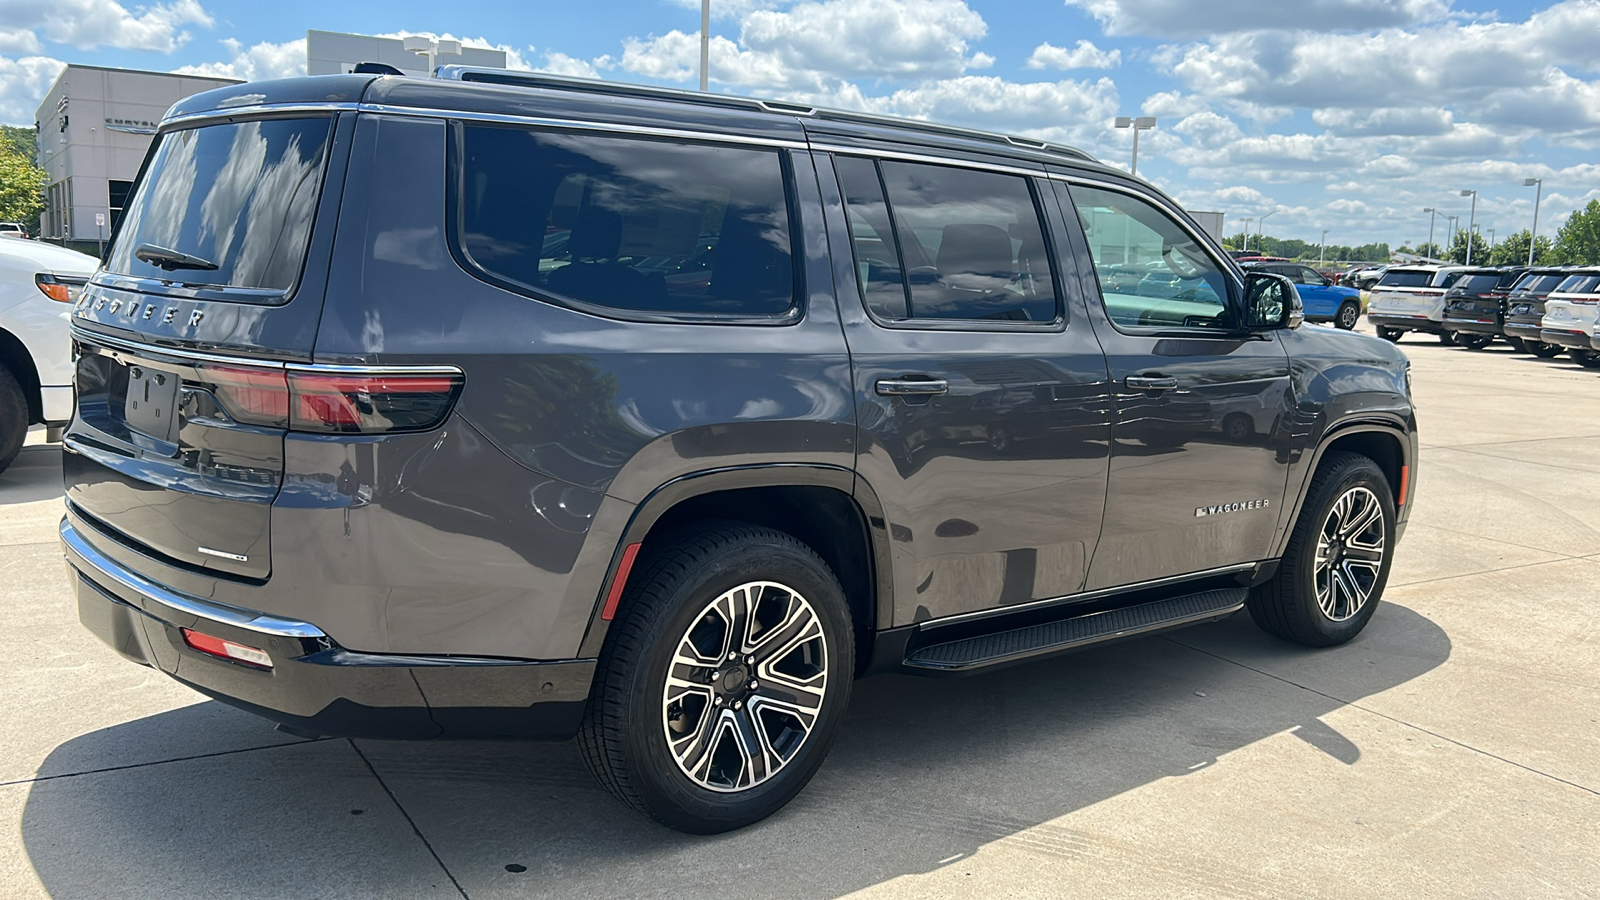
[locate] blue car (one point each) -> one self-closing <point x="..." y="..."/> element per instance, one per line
<point x="1324" y="301"/>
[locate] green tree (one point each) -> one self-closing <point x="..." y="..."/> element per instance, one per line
<point x="1431" y="251"/>
<point x="1513" y="250"/>
<point x="1458" y="248"/>
<point x="1578" y="241"/>
<point x="21" y="189"/>
<point x="23" y="139"/>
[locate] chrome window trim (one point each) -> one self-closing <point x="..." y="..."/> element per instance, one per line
<point x="259" y="109"/>
<point x="1084" y="595"/>
<point x="123" y="345"/>
<point x="209" y="610"/>
<point x="461" y="115"/>
<point x="903" y="156"/>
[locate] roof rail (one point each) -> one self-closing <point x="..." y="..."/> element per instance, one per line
<point x="483" y="75"/>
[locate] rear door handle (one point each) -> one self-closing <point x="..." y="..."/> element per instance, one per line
<point x="1151" y="382"/>
<point x="903" y="387"/>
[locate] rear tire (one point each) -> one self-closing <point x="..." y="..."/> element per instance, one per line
<point x="1349" y="312"/>
<point x="1472" y="341"/>
<point x="1446" y="338"/>
<point x="1542" y="350"/>
<point x="702" y="744"/>
<point x="1333" y="572"/>
<point x="1392" y="335"/>
<point x="1517" y="344"/>
<point x="13" y="418"/>
<point x="1589" y="359"/>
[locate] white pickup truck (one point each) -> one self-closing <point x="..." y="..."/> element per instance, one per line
<point x="38" y="285"/>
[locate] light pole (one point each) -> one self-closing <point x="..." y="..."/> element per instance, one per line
<point x="705" y="45"/>
<point x="1260" y="224"/>
<point x="431" y="49"/>
<point x="1471" y="222"/>
<point x="1491" y="239"/>
<point x="1450" y="231"/>
<point x="1432" y="214"/>
<point x="1142" y="123"/>
<point x="1247" y="220"/>
<point x="1323" y="250"/>
<point x="1534" y="234"/>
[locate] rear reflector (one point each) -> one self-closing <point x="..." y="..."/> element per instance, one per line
<point x="620" y="582"/>
<point x="223" y="649"/>
<point x="1405" y="482"/>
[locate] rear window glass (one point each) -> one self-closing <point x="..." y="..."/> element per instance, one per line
<point x="1477" y="284"/>
<point x="629" y="224"/>
<point x="230" y="205"/>
<point x="1539" y="284"/>
<point x="1578" y="284"/>
<point x="1402" y="278"/>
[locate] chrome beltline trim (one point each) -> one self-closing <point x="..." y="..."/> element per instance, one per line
<point x="1086" y="595"/>
<point x="904" y="156"/>
<point x="254" y="110"/>
<point x="194" y="606"/>
<point x="112" y="343"/>
<point x="581" y="125"/>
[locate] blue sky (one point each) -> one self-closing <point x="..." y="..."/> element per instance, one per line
<point x="1345" y="115"/>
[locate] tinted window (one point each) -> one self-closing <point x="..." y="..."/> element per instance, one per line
<point x="1446" y="279"/>
<point x="1477" y="284"/>
<point x="649" y="226"/>
<point x="878" y="268"/>
<point x="1405" y="278"/>
<point x="1578" y="284"/>
<point x="1540" y="284"/>
<point x="239" y="196"/>
<point x="1151" y="271"/>
<point x="1309" y="275"/>
<point x="971" y="244"/>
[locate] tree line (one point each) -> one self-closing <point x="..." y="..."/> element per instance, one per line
<point x="22" y="182"/>
<point x="1294" y="248"/>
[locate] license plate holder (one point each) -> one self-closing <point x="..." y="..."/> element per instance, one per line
<point x="152" y="402"/>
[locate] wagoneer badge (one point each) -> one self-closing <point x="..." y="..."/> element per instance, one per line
<point x="1200" y="511"/>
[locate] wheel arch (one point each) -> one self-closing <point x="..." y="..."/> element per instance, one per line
<point x="1388" y="443"/>
<point x="15" y="357"/>
<point x="825" y="507"/>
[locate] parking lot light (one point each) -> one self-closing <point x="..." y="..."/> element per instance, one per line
<point x="1323" y="251"/>
<point x="1140" y="124"/>
<point x="1471" y="222"/>
<point x="1432" y="214"/>
<point x="1537" y="194"/>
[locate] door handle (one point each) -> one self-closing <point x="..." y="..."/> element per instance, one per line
<point x="903" y="387"/>
<point x="1151" y="382"/>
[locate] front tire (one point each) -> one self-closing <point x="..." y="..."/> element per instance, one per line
<point x="1543" y="350"/>
<point x="1347" y="315"/>
<point x="1392" y="335"/>
<point x="1334" y="570"/>
<point x="1589" y="359"/>
<point x="723" y="681"/>
<point x="13" y="418"/>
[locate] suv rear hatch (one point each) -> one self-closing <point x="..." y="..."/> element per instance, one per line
<point x="1410" y="293"/>
<point x="1475" y="297"/>
<point x="212" y="290"/>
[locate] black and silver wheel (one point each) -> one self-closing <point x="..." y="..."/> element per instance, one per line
<point x="13" y="418"/>
<point x="724" y="679"/>
<point x="1392" y="335"/>
<point x="1541" y="349"/>
<point x="1333" y="572"/>
<point x="1346" y="317"/>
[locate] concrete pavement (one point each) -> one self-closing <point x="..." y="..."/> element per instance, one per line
<point x="1447" y="752"/>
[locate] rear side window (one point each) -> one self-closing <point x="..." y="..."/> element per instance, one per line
<point x="1540" y="284"/>
<point x="231" y="205"/>
<point x="629" y="224"/>
<point x="941" y="242"/>
<point x="1404" y="278"/>
<point x="1578" y="284"/>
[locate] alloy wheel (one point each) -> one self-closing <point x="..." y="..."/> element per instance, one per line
<point x="746" y="686"/>
<point x="1350" y="552"/>
<point x="1347" y="317"/>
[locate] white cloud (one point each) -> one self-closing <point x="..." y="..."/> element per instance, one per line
<point x="22" y="83"/>
<point x="1184" y="18"/>
<point x="1083" y="56"/>
<point x="1392" y="120"/>
<point x="19" y="40"/>
<point x="558" y="63"/>
<point x="1071" y="111"/>
<point x="263" y="60"/>
<point x="87" y="24"/>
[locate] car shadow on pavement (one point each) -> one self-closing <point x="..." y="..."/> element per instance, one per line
<point x="33" y="476"/>
<point x="925" y="773"/>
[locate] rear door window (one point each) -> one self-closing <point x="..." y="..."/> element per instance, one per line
<point x="628" y="224"/>
<point x="1397" y="279"/>
<point x="1578" y="284"/>
<point x="226" y="205"/>
<point x="1478" y="284"/>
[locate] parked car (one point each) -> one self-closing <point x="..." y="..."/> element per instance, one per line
<point x="1570" y="315"/>
<point x="1525" y="309"/>
<point x="679" y="518"/>
<point x="1475" y="305"/>
<point x="1324" y="301"/>
<point x="38" y="285"/>
<point x="1411" y="298"/>
<point x="13" y="230"/>
<point x="1364" y="277"/>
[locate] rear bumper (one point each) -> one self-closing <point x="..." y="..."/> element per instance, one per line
<point x="1473" y="326"/>
<point x="57" y="403"/>
<point x="1528" y="331"/>
<point x="1577" y="339"/>
<point x="314" y="685"/>
<point x="1406" y="323"/>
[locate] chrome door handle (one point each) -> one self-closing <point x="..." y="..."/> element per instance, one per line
<point x="1151" y="382"/>
<point x="902" y="387"/>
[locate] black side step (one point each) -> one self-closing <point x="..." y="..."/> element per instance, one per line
<point x="1079" y="631"/>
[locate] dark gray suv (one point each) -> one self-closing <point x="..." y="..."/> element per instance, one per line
<point x="512" y="406"/>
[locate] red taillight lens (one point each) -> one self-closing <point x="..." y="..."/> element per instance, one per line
<point x="377" y="403"/>
<point x="228" y="650"/>
<point x="1583" y="301"/>
<point x="254" y="396"/>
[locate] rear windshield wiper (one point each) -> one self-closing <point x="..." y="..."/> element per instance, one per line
<point x="171" y="260"/>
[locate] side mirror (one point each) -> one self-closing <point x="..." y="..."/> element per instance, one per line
<point x="1271" y="301"/>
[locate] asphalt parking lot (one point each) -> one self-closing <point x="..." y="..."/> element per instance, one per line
<point x="1450" y="751"/>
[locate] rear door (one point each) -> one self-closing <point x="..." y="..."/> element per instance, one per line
<point x="981" y="391"/>
<point x="1199" y="456"/>
<point x="213" y="285"/>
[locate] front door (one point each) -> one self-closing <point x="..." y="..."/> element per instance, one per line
<point x="980" y="392"/>
<point x="1202" y="407"/>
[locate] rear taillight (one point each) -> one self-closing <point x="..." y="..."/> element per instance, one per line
<point x="352" y="402"/>
<point x="59" y="289"/>
<point x="1583" y="301"/>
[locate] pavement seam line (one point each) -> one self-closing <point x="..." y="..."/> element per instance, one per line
<point x="1465" y="746"/>
<point x="1515" y="459"/>
<point x="158" y="762"/>
<point x="1493" y="540"/>
<point x="1548" y="562"/>
<point x="409" y="821"/>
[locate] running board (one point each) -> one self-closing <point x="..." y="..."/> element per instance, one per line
<point x="1018" y="644"/>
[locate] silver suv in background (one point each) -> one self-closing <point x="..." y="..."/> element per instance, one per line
<point x="1411" y="298"/>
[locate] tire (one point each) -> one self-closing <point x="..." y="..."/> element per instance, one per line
<point x="1472" y="341"/>
<point x="1304" y="602"/>
<point x="13" y="418"/>
<point x="1543" y="350"/>
<point x="1238" y="427"/>
<point x="675" y="615"/>
<point x="1446" y="338"/>
<point x="1517" y="344"/>
<point x="1589" y="359"/>
<point x="1392" y="335"/>
<point x="1347" y="316"/>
